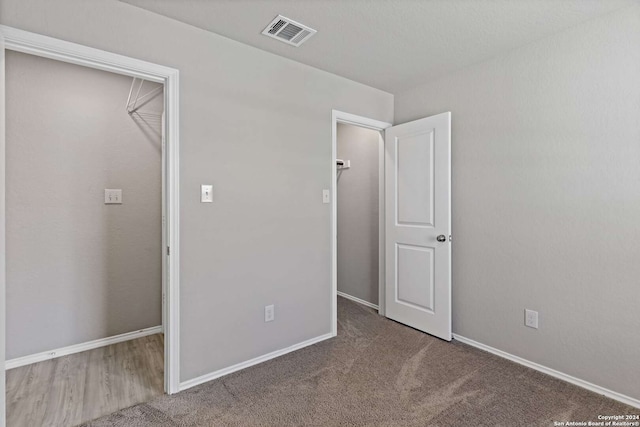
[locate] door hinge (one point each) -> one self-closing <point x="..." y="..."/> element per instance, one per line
<point x="168" y="251"/>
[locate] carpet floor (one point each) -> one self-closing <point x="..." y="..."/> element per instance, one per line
<point x="375" y="373"/>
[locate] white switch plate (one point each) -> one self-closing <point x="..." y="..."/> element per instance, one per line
<point x="112" y="197"/>
<point x="531" y="318"/>
<point x="269" y="313"/>
<point x="326" y="196"/>
<point x="206" y="193"/>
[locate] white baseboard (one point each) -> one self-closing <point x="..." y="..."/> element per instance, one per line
<point x="358" y="300"/>
<point x="226" y="371"/>
<point x="557" y="374"/>
<point x="77" y="348"/>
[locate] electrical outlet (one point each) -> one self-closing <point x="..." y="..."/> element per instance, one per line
<point x="269" y="313"/>
<point x="531" y="318"/>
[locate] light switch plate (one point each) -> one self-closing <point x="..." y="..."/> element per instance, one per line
<point x="269" y="313"/>
<point x="326" y="196"/>
<point x="206" y="193"/>
<point x="112" y="196"/>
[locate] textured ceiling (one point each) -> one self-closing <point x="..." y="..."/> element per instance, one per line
<point x="392" y="45"/>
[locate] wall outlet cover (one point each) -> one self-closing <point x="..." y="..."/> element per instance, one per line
<point x="531" y="318"/>
<point x="269" y="313"/>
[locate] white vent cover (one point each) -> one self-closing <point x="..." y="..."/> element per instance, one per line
<point x="288" y="31"/>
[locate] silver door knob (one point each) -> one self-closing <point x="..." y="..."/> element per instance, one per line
<point x="441" y="238"/>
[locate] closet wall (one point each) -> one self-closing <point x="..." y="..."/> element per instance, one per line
<point x="358" y="189"/>
<point x="77" y="269"/>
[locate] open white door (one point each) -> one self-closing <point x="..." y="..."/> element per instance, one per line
<point x="418" y="224"/>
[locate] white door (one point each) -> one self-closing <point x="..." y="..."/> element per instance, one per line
<point x="418" y="224"/>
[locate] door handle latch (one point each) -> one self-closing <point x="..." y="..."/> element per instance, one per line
<point x="441" y="238"/>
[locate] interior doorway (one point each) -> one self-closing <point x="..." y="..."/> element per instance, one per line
<point x="414" y="221"/>
<point x="359" y="180"/>
<point x="151" y="84"/>
<point x="86" y="317"/>
<point x="357" y="222"/>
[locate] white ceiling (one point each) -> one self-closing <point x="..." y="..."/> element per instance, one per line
<point x="393" y="45"/>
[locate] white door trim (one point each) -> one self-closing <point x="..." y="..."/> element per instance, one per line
<point x="48" y="47"/>
<point x="352" y="119"/>
<point x="2" y="237"/>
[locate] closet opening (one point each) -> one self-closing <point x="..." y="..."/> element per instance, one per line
<point x="358" y="216"/>
<point x="358" y="195"/>
<point x="86" y="241"/>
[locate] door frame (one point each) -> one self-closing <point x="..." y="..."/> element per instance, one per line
<point x="39" y="45"/>
<point x="377" y="125"/>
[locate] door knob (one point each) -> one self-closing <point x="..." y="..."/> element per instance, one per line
<point x="441" y="238"/>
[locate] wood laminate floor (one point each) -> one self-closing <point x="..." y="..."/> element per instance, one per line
<point x="73" y="389"/>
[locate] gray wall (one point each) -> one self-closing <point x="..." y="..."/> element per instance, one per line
<point x="77" y="269"/>
<point x="257" y="127"/>
<point x="546" y="199"/>
<point x="358" y="189"/>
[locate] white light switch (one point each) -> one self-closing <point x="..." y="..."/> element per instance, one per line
<point x="112" y="197"/>
<point x="326" y="196"/>
<point x="206" y="193"/>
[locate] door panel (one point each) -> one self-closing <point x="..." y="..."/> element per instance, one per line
<point x="415" y="181"/>
<point x="415" y="276"/>
<point x="418" y="210"/>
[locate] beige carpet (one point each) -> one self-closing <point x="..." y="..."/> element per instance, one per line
<point x="376" y="373"/>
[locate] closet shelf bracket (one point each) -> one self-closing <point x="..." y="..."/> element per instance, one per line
<point x="135" y="102"/>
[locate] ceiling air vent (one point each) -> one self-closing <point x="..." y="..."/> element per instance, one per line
<point x="288" y="31"/>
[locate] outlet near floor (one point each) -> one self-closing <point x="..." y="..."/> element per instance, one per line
<point x="531" y="318"/>
<point x="269" y="313"/>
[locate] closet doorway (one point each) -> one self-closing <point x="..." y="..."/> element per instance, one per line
<point x="90" y="183"/>
<point x="414" y="253"/>
<point x="358" y="211"/>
